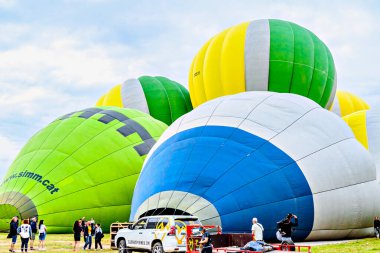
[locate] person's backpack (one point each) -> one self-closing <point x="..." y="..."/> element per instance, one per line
<point x="102" y="235"/>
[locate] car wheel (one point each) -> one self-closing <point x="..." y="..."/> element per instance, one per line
<point x="157" y="248"/>
<point x="122" y="246"/>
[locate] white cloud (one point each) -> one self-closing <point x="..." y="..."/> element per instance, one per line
<point x="63" y="62"/>
<point x="7" y="3"/>
<point x="12" y="33"/>
<point x="8" y="152"/>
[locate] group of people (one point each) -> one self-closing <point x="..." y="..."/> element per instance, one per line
<point x="27" y="231"/>
<point x="283" y="234"/>
<point x="87" y="229"/>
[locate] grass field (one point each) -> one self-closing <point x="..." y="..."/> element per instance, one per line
<point x="64" y="243"/>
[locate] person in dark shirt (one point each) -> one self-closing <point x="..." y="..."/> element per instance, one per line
<point x="33" y="225"/>
<point x="285" y="227"/>
<point x="98" y="236"/>
<point x="77" y="229"/>
<point x="376" y="226"/>
<point x="13" y="225"/>
<point x="205" y="241"/>
<point x="83" y="226"/>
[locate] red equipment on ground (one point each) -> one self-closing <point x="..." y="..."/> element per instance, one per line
<point x="192" y="241"/>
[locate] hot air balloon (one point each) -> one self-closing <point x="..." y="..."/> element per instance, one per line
<point x="346" y="103"/>
<point x="263" y="55"/>
<point x="85" y="163"/>
<point x="261" y="154"/>
<point x="162" y="98"/>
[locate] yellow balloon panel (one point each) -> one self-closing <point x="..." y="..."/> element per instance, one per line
<point x="112" y="98"/>
<point x="357" y="123"/>
<point x="346" y="103"/>
<point x="232" y="60"/>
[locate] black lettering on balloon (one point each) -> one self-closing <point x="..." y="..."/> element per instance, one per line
<point x="129" y="126"/>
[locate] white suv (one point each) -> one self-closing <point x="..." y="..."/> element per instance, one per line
<point x="158" y="234"/>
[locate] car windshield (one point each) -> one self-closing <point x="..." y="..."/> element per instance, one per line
<point x="140" y="224"/>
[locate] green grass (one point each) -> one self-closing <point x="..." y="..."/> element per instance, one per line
<point x="356" y="246"/>
<point x="56" y="243"/>
<point x="64" y="243"/>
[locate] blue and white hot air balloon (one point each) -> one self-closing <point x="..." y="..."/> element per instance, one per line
<point x="261" y="154"/>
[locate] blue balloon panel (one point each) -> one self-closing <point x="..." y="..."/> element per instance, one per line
<point x="241" y="174"/>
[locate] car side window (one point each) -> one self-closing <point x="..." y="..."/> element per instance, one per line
<point x="162" y="223"/>
<point x="152" y="223"/>
<point x="140" y="224"/>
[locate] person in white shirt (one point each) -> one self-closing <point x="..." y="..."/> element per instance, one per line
<point x="257" y="230"/>
<point x="42" y="231"/>
<point x="25" y="232"/>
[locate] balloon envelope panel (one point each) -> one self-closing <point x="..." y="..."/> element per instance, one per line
<point x="162" y="98"/>
<point x="260" y="154"/>
<point x="346" y="103"/>
<point x="365" y="125"/>
<point x="263" y="55"/>
<point x="85" y="163"/>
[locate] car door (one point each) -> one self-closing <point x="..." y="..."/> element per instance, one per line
<point x="136" y="238"/>
<point x="150" y="230"/>
<point x="162" y="229"/>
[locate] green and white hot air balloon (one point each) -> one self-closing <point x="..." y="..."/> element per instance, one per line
<point x="162" y="98"/>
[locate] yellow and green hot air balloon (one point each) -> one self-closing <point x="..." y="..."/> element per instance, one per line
<point x="263" y="55"/>
<point x="162" y="98"/>
<point x="346" y="103"/>
<point x="85" y="163"/>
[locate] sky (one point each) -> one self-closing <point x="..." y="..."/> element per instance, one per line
<point x="60" y="56"/>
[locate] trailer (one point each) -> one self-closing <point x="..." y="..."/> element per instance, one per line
<point x="114" y="227"/>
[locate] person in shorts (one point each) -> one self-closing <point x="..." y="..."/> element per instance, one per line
<point x="33" y="225"/>
<point x="13" y="225"/>
<point x="42" y="235"/>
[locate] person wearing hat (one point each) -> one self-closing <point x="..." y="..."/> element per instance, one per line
<point x="205" y="241"/>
